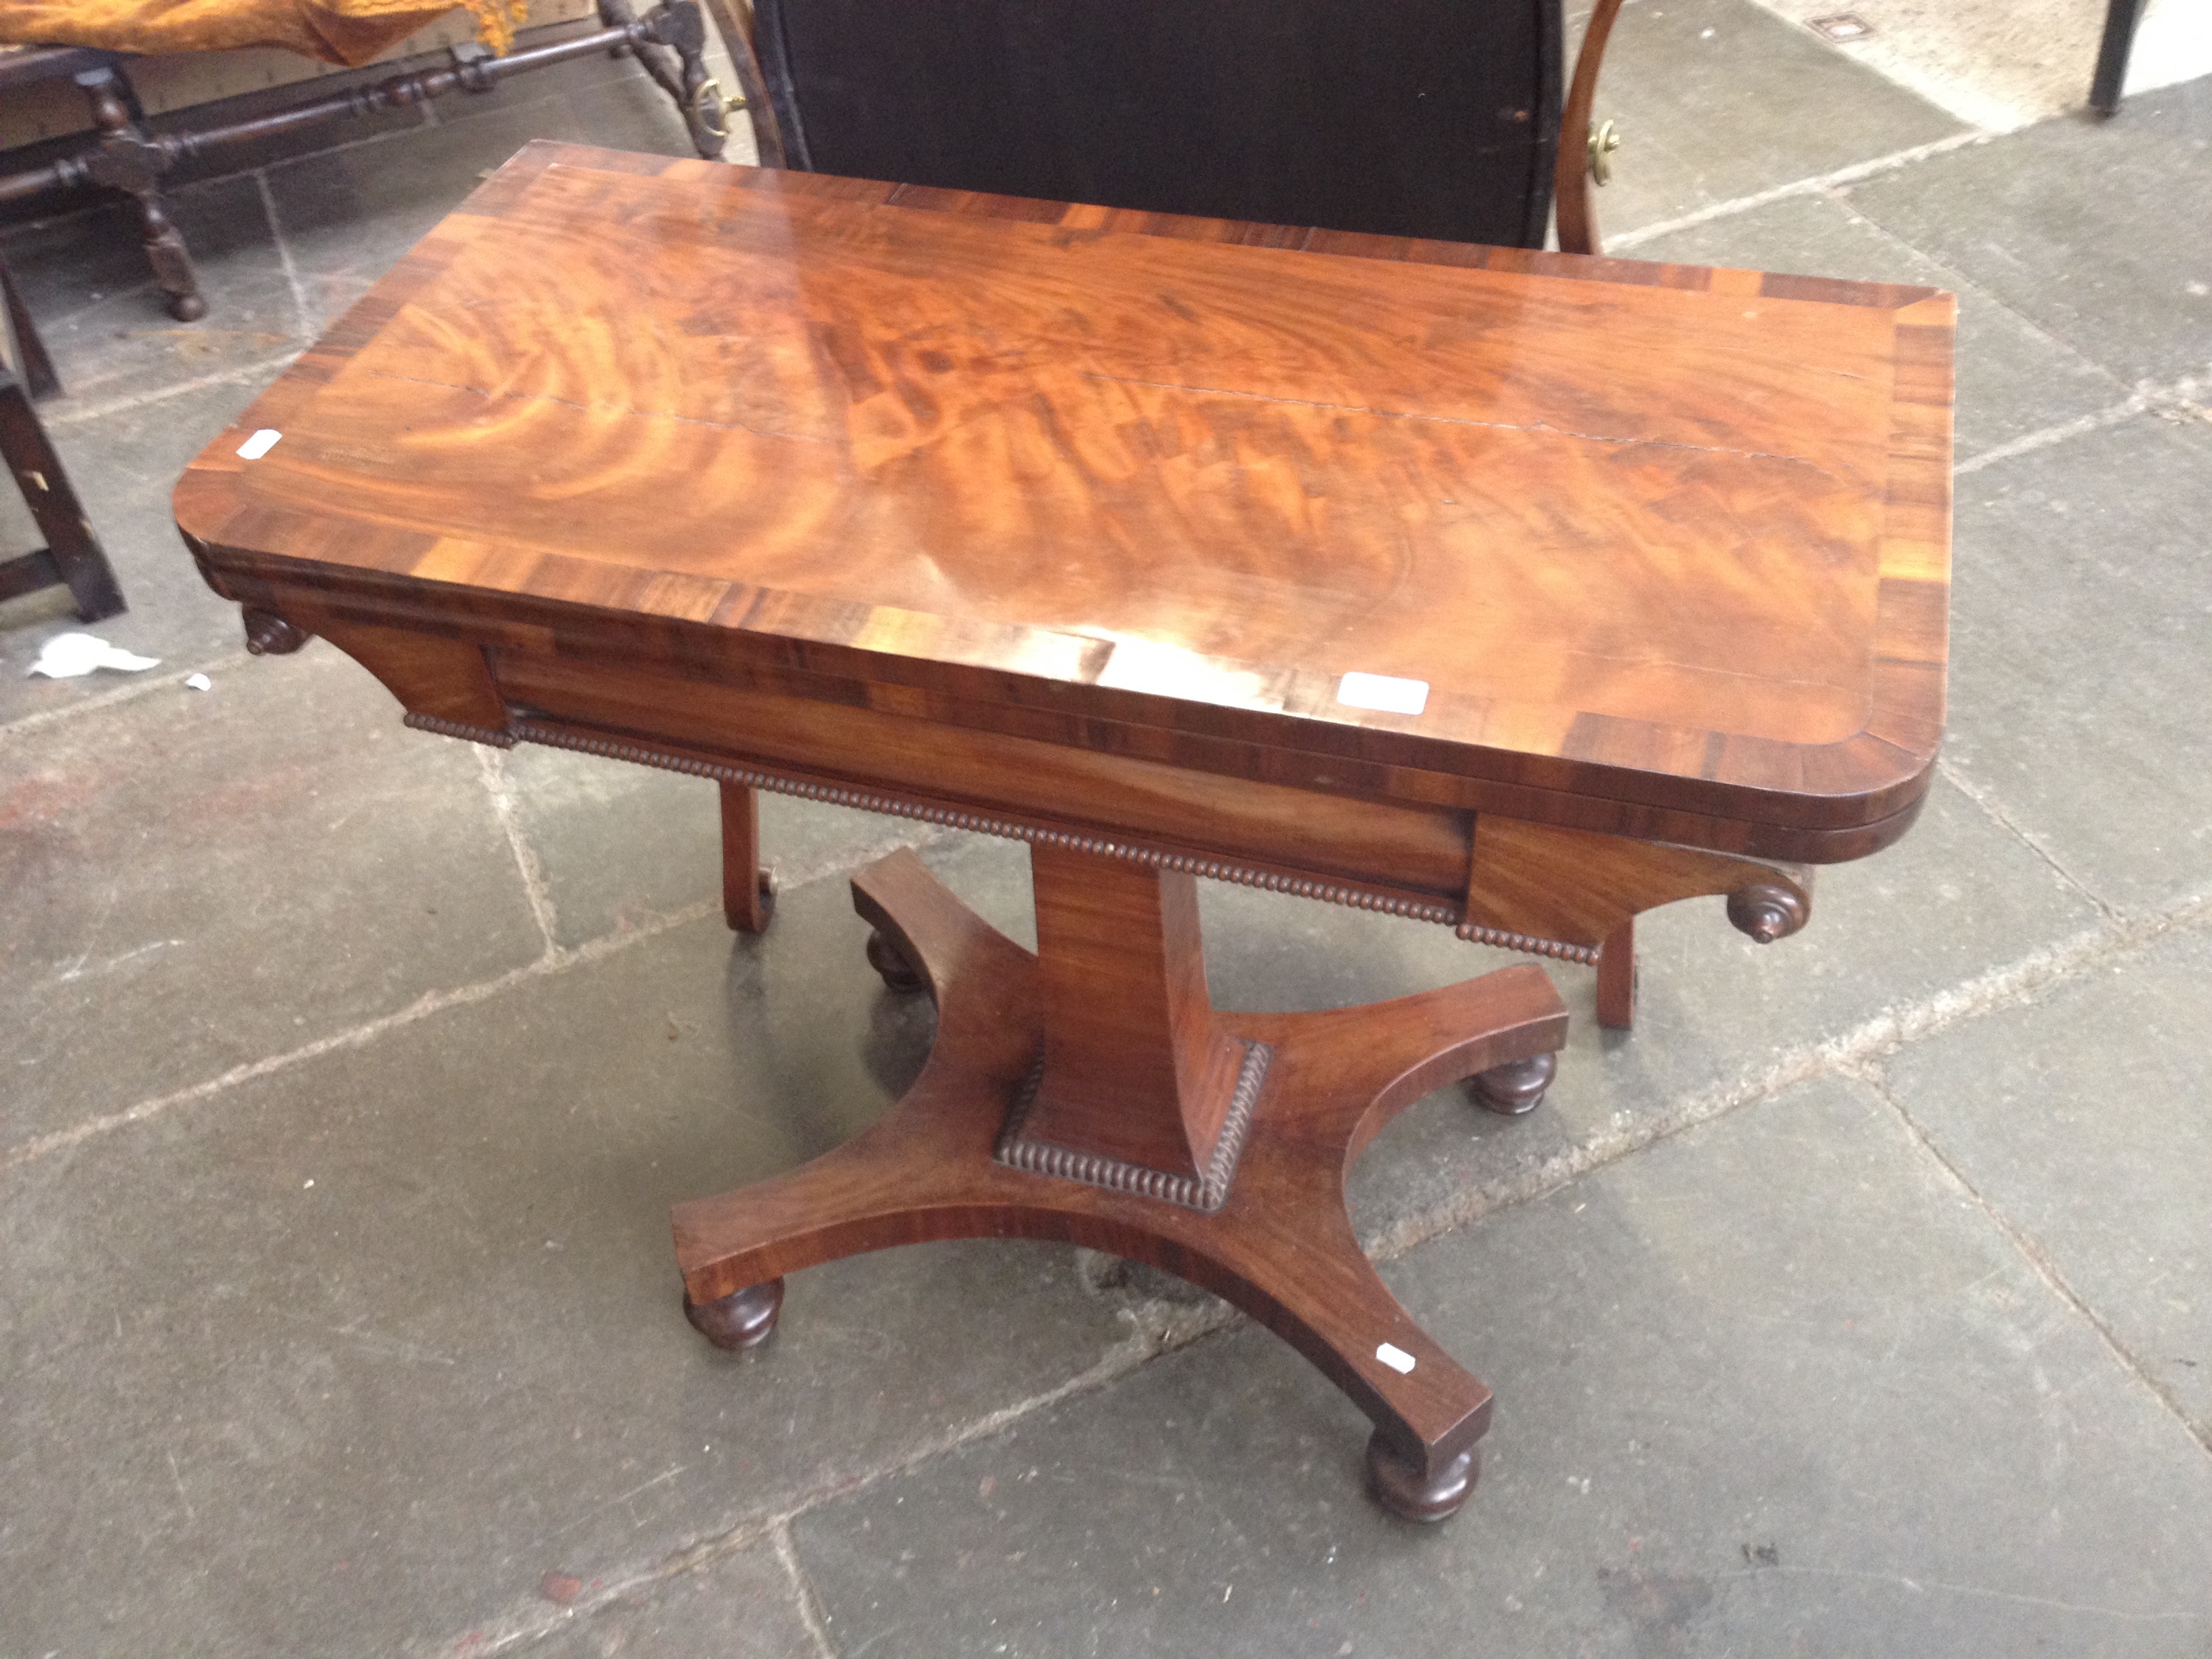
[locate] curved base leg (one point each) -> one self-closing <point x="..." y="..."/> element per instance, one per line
<point x="743" y="1319"/>
<point x="1280" y="1246"/>
<point x="1412" y="1492"/>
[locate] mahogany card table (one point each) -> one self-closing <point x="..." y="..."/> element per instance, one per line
<point x="1512" y="591"/>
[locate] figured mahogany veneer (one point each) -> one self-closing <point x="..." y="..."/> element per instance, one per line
<point x="1068" y="524"/>
<point x="1668" y="546"/>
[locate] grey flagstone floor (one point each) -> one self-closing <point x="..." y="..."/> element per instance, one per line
<point x="1857" y="1304"/>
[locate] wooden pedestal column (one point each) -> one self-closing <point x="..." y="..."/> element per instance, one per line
<point x="1278" y="1245"/>
<point x="1137" y="1075"/>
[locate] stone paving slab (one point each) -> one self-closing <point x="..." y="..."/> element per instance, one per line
<point x="2080" y="672"/>
<point x="2085" y="1119"/>
<point x="84" y="278"/>
<point x="1718" y="98"/>
<point x="136" y="405"/>
<point x="2013" y="378"/>
<point x="741" y="1605"/>
<point x="1774" y="1387"/>
<point x="2095" y="232"/>
<point x="124" y="464"/>
<point x="1716" y="1013"/>
<point x="620" y="843"/>
<point x="373" y="1343"/>
<point x="197" y="880"/>
<point x="2004" y="63"/>
<point x="348" y="214"/>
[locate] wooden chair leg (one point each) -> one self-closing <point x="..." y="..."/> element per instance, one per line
<point x="1570" y="179"/>
<point x="2120" y="20"/>
<point x="748" y="892"/>
<point x="1616" y="978"/>
<point x="38" y="369"/>
<point x="169" y="259"/>
<point x="734" y="21"/>
<point x="71" y="556"/>
<point x="680" y="29"/>
<point x="127" y="160"/>
<point x="702" y="101"/>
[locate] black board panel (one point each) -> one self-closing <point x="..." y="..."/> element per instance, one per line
<point x="1418" y="118"/>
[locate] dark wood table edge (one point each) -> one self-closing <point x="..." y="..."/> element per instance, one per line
<point x="1416" y="771"/>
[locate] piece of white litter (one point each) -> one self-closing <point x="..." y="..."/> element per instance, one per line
<point x="1395" y="1357"/>
<point x="259" y="444"/>
<point x="65" y="656"/>
<point x="199" y="682"/>
<point x="1386" y="693"/>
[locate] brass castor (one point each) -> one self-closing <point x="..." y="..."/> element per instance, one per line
<point x="1400" y="1486"/>
<point x="743" y="1319"/>
<point x="898" y="972"/>
<point x="1513" y="1089"/>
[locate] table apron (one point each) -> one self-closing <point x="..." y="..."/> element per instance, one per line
<point x="1543" y="889"/>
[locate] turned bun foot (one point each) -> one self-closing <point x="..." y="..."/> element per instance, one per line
<point x="268" y="635"/>
<point x="1514" y="1089"/>
<point x="898" y="972"/>
<point x="1767" y="912"/>
<point x="1400" y="1486"/>
<point x="743" y="1319"/>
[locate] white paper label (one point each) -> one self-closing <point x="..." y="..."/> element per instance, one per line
<point x="1395" y="1357"/>
<point x="259" y="444"/>
<point x="1386" y="693"/>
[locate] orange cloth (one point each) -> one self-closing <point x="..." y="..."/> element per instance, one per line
<point x="349" y="32"/>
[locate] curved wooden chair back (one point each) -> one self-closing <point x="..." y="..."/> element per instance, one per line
<point x="1410" y="118"/>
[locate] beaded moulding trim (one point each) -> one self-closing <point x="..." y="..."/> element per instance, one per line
<point x="867" y="800"/>
<point x="983" y="824"/>
<point x="1205" y="1194"/>
<point x="445" y="728"/>
<point x="1526" y="944"/>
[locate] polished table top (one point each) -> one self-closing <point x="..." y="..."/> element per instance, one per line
<point x="1657" y="541"/>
